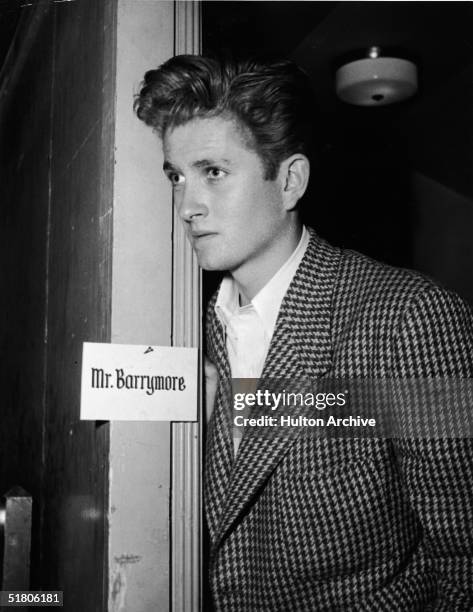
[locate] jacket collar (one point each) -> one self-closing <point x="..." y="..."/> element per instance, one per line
<point x="300" y="349"/>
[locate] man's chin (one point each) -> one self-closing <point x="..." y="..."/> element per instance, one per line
<point x="211" y="262"/>
<point x="211" y="266"/>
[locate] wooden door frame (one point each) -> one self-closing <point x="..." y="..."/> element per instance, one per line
<point x="186" y="447"/>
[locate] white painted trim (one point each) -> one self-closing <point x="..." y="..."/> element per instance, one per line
<point x="186" y="556"/>
<point x="140" y="452"/>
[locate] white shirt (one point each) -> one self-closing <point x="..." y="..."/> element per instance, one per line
<point x="249" y="328"/>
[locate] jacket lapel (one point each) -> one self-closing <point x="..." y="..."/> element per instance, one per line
<point x="300" y="350"/>
<point x="219" y="444"/>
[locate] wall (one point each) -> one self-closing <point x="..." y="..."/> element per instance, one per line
<point x="443" y="230"/>
<point x="439" y="132"/>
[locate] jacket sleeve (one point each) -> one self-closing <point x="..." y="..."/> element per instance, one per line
<point x="435" y="340"/>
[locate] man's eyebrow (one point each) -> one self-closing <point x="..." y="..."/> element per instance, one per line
<point x="168" y="166"/>
<point x="199" y="163"/>
<point x="202" y="163"/>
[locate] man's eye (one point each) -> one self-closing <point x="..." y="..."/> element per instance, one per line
<point x="215" y="173"/>
<point x="176" y="179"/>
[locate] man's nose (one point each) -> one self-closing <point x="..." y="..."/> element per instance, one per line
<point x="191" y="204"/>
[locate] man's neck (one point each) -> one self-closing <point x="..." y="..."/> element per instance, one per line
<point x="250" y="282"/>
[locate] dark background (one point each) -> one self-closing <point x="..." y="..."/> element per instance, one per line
<point x="394" y="182"/>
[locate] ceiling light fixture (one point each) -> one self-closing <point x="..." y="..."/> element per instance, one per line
<point x="376" y="80"/>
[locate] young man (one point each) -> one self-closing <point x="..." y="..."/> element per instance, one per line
<point x="300" y="522"/>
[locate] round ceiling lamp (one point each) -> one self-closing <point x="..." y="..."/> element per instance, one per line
<point x="376" y="80"/>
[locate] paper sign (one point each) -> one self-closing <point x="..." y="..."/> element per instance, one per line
<point x="123" y="382"/>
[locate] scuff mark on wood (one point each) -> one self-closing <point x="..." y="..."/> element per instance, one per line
<point x="118" y="591"/>
<point x="127" y="559"/>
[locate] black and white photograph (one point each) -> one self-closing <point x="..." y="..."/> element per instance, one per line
<point x="237" y="292"/>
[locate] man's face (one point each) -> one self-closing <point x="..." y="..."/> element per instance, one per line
<point x="233" y="217"/>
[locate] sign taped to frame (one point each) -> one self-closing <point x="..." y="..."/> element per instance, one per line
<point x="125" y="382"/>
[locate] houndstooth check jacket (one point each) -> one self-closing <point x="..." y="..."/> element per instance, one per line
<point x="300" y="523"/>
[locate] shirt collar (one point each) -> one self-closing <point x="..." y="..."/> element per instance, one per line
<point x="268" y="300"/>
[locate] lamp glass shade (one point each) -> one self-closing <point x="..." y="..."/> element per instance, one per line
<point x="376" y="81"/>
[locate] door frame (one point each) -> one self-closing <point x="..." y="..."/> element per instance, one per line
<point x="186" y="438"/>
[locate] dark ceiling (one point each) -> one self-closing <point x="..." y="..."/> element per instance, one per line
<point x="272" y="28"/>
<point x="438" y="35"/>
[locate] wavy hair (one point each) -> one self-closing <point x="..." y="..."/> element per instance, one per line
<point x="272" y="101"/>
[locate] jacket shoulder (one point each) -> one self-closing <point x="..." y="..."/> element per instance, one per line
<point x="393" y="308"/>
<point x="378" y="289"/>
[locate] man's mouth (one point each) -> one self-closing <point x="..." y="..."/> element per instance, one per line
<point x="196" y="235"/>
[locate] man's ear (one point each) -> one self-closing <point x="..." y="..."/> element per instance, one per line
<point x="294" y="175"/>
